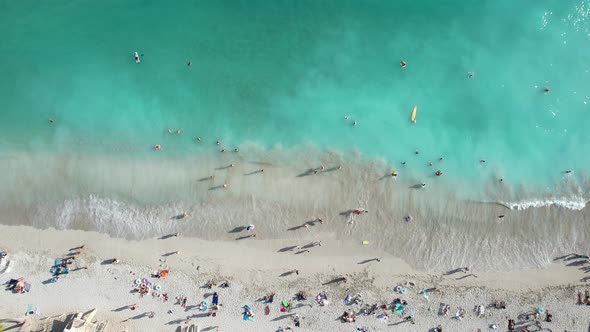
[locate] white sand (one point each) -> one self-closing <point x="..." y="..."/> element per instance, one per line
<point x="254" y="267"/>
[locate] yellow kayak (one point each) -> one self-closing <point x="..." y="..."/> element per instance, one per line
<point x="413" y="116"/>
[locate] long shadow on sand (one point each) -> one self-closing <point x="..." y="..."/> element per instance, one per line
<point x="285" y="249"/>
<point x="296" y="227"/>
<point x="209" y="328"/>
<point x="238" y="229"/>
<point x="121" y="308"/>
<point x="467" y="276"/>
<point x="216" y="187"/>
<point x="280" y="317"/>
<point x="286" y="273"/>
<point x="166" y="236"/>
<point x="333" y="281"/>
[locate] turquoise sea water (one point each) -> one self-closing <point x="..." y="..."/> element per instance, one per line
<point x="286" y="73"/>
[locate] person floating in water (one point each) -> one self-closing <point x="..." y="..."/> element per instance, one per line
<point x="402" y="64"/>
<point x="438" y="173"/>
<point x="546" y="90"/>
<point x="190" y="63"/>
<point x="136" y="57"/>
<point x="470" y="75"/>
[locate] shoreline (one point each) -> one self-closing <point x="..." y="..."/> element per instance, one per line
<point x="138" y="200"/>
<point x="254" y="268"/>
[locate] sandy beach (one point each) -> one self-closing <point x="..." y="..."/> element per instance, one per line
<point x="254" y="268"/>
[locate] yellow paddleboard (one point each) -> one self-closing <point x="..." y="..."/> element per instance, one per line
<point x="365" y="242"/>
<point x="413" y="117"/>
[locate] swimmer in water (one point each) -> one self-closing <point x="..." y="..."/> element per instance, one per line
<point x="501" y="180"/>
<point x="546" y="90"/>
<point x="402" y="64"/>
<point x="199" y="139"/>
<point x="423" y="185"/>
<point x="236" y="150"/>
<point x="438" y="173"/>
<point x="178" y="131"/>
<point x="218" y="142"/>
<point x="482" y="161"/>
<point x="440" y="159"/>
<point x="403" y="163"/>
<point x="417" y="152"/>
<point x="429" y="164"/>
<point x="190" y="63"/>
<point x="51" y="120"/>
<point x="346" y="117"/>
<point x="136" y="57"/>
<point x="568" y="171"/>
<point x="169" y="131"/>
<point x="222" y="150"/>
<point x="470" y="75"/>
<point x="354" y="123"/>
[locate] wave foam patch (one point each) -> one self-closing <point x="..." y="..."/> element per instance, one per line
<point x="577" y="203"/>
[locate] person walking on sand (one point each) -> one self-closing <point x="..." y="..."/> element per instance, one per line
<point x="250" y="228"/>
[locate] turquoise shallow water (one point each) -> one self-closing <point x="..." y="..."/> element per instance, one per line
<point x="286" y="73"/>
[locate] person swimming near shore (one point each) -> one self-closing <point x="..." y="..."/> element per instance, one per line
<point x="51" y="120"/>
<point x="354" y="123"/>
<point x="423" y="185"/>
<point x="470" y="75"/>
<point x="568" y="171"/>
<point x="546" y="91"/>
<point x="438" y="173"/>
<point x="190" y="63"/>
<point x="218" y="142"/>
<point x="402" y="64"/>
<point x="417" y="152"/>
<point x="199" y="139"/>
<point x="482" y="161"/>
<point x="136" y="57"/>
